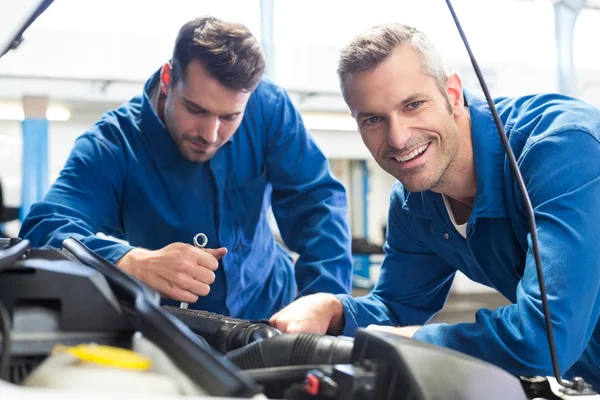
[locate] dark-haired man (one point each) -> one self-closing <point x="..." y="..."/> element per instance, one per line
<point x="207" y="147"/>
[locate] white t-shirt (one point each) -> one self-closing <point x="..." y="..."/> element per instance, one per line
<point x="462" y="229"/>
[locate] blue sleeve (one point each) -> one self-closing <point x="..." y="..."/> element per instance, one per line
<point x="413" y="283"/>
<point x="309" y="204"/>
<point x="83" y="201"/>
<point x="562" y="174"/>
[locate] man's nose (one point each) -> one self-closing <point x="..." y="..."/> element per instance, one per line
<point x="210" y="129"/>
<point x="398" y="133"/>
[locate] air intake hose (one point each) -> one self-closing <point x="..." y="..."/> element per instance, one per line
<point x="293" y="349"/>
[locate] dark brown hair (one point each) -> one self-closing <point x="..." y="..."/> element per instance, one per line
<point x="228" y="51"/>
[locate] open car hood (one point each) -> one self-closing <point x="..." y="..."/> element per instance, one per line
<point x="15" y="18"/>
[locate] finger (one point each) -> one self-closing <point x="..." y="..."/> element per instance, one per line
<point x="197" y="273"/>
<point x="279" y="324"/>
<point x="205" y="259"/>
<point x="194" y="278"/>
<point x="195" y="286"/>
<point x="217" y="253"/>
<point x="169" y="290"/>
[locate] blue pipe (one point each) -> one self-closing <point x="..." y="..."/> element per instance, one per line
<point x="35" y="162"/>
<point x="365" y="185"/>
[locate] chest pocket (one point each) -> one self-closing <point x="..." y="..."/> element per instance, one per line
<point x="244" y="204"/>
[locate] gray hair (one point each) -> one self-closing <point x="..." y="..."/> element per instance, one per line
<point x="369" y="49"/>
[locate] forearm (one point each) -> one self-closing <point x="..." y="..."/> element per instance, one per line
<point x="520" y="347"/>
<point x="49" y="224"/>
<point x="361" y="312"/>
<point x="83" y="201"/>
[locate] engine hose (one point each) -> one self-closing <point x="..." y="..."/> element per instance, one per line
<point x="293" y="349"/>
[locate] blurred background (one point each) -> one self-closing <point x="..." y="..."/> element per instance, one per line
<point x="82" y="58"/>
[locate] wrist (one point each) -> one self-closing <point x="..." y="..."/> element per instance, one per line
<point x="131" y="260"/>
<point x="338" y="321"/>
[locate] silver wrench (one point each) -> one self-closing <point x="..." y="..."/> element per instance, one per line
<point x="200" y="241"/>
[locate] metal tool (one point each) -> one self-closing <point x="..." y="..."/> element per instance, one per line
<point x="200" y="241"/>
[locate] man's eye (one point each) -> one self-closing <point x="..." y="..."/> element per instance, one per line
<point x="414" y="105"/>
<point x="372" y="120"/>
<point x="195" y="111"/>
<point x="229" y="117"/>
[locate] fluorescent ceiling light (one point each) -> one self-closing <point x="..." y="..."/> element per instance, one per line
<point x="11" y="113"/>
<point x="14" y="112"/>
<point x="57" y="113"/>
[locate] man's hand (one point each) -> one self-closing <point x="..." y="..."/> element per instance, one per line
<point x="406" y="331"/>
<point x="178" y="271"/>
<point x="318" y="313"/>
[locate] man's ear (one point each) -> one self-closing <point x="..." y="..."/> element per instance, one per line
<point x="454" y="90"/>
<point x="165" y="78"/>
